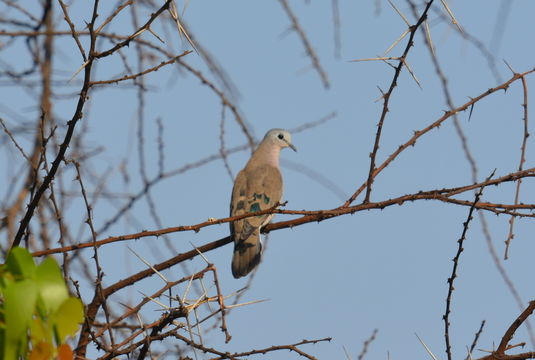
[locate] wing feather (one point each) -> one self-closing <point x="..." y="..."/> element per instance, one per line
<point x="254" y="189"/>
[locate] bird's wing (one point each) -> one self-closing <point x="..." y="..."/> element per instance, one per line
<point x="254" y="190"/>
<point x="264" y="190"/>
<point x="238" y="202"/>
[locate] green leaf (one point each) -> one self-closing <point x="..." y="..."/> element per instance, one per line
<point x="68" y="317"/>
<point x="6" y="278"/>
<point x="51" y="285"/>
<point x="20" y="263"/>
<point x="19" y="303"/>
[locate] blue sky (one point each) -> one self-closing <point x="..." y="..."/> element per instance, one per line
<point x="344" y="277"/>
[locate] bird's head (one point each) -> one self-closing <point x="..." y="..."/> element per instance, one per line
<point x="280" y="137"/>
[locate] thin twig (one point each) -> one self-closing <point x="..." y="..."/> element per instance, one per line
<point x="12" y="138"/>
<point x="222" y="307"/>
<point x="73" y="29"/>
<point x="386" y="101"/>
<point x="336" y="29"/>
<point x="113" y="15"/>
<point x="222" y="150"/>
<point x="503" y="273"/>
<point x="451" y="279"/>
<point x="499" y="353"/>
<point x="138" y="32"/>
<point x="139" y="74"/>
<point x="436" y="124"/>
<point x="514" y="326"/>
<point x="67" y="139"/>
<point x="448" y="98"/>
<point x="306" y="43"/>
<point x="89" y="221"/>
<point x="520" y="166"/>
<point x="474" y="343"/>
<point x="367" y="343"/>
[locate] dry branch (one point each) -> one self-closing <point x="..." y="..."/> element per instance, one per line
<point x="386" y="101"/>
<point x="125" y="332"/>
<point x="68" y="136"/>
<point x="443" y="195"/>
<point x="453" y="275"/>
<point x="520" y="165"/>
<point x="306" y="43"/>
<point x="500" y="354"/>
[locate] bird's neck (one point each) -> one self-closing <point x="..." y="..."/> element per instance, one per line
<point x="266" y="154"/>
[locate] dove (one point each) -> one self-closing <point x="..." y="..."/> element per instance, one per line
<point x="257" y="187"/>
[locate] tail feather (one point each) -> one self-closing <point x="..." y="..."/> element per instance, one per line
<point x="247" y="253"/>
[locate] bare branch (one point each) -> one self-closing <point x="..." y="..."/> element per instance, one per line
<point x="451" y="279"/>
<point x="386" y="100"/>
<point x="520" y="165"/>
<point x="306" y="43"/>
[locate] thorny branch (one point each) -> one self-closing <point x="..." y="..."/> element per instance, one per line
<point x="144" y="72"/>
<point x="116" y="331"/>
<point x="499" y="353"/>
<point x="520" y="165"/>
<point x="434" y="125"/>
<point x="345" y="209"/>
<point x="476" y="338"/>
<point x="443" y="195"/>
<point x="68" y="135"/>
<point x="453" y="276"/>
<point x="386" y="101"/>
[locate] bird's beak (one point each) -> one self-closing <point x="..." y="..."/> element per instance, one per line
<point x="291" y="146"/>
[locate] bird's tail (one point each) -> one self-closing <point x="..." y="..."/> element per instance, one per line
<point x="247" y="254"/>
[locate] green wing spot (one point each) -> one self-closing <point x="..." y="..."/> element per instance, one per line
<point x="255" y="207"/>
<point x="266" y="199"/>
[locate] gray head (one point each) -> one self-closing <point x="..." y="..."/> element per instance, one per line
<point x="280" y="137"/>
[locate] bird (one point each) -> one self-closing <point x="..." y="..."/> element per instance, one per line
<point x="258" y="186"/>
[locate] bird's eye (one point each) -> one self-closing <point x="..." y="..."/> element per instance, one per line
<point x="281" y="136"/>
